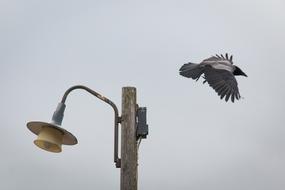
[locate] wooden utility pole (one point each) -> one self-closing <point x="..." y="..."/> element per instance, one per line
<point x="129" y="157"/>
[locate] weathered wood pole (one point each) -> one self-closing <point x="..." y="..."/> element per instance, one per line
<point x="129" y="157"/>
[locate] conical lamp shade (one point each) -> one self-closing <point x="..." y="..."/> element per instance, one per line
<point x="51" y="136"/>
<point x="49" y="139"/>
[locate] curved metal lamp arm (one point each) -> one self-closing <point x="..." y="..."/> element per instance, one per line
<point x="117" y="160"/>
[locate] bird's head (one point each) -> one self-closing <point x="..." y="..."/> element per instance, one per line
<point x="238" y="71"/>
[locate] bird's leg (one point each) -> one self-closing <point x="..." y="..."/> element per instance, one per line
<point x="197" y="78"/>
<point x="204" y="80"/>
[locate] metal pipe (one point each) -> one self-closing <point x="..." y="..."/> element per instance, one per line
<point x="117" y="119"/>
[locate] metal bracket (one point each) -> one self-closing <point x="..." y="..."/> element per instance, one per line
<point x="119" y="119"/>
<point x="118" y="163"/>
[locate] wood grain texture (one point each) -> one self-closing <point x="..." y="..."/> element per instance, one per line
<point x="129" y="157"/>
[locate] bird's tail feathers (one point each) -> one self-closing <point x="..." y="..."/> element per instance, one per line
<point x="191" y="70"/>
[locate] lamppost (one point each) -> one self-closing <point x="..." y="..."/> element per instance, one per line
<point x="51" y="136"/>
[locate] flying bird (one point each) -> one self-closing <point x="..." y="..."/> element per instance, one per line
<point x="219" y="71"/>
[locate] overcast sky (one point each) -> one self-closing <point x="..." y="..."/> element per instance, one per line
<point x="196" y="141"/>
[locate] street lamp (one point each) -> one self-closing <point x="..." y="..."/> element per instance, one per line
<point x="51" y="136"/>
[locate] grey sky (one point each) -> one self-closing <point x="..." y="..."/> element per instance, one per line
<point x="196" y="141"/>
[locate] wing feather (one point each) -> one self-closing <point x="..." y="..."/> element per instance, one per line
<point x="230" y="92"/>
<point x="219" y="59"/>
<point x="223" y="82"/>
<point x="224" y="93"/>
<point x="233" y="97"/>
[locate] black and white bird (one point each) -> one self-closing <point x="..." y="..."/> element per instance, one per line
<point x="219" y="71"/>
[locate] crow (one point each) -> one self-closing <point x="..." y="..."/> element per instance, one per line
<point x="219" y="71"/>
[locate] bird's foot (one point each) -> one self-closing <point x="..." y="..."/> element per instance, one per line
<point x="204" y="80"/>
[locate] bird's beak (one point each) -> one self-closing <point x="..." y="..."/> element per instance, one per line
<point x="244" y="74"/>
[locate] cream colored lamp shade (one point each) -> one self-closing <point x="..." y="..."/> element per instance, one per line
<point x="51" y="136"/>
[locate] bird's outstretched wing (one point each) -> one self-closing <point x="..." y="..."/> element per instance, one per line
<point x="220" y="58"/>
<point x="223" y="82"/>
